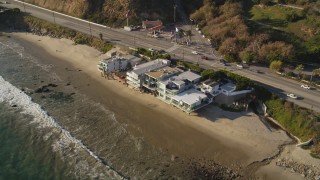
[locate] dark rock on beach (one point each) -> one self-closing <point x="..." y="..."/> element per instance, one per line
<point x="52" y="85"/>
<point x="43" y="89"/>
<point x="204" y="169"/>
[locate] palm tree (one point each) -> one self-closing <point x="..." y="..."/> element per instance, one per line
<point x="299" y="68"/>
<point x="315" y="72"/>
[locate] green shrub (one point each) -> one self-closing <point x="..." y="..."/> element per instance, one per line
<point x="300" y="122"/>
<point x="190" y="66"/>
<point x="107" y="47"/>
<point x="207" y="73"/>
<point x="291" y="74"/>
<point x="81" y="39"/>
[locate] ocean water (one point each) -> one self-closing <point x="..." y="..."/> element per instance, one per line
<point x="33" y="144"/>
<point x="20" y="147"/>
<point x="60" y="133"/>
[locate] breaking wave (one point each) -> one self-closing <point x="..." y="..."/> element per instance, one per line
<point x="14" y="96"/>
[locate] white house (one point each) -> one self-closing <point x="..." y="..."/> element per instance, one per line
<point x="210" y="86"/>
<point x="135" y="77"/>
<point x="113" y="64"/>
<point x="151" y="79"/>
<point x="191" y="100"/>
<point x="228" y="88"/>
<point x="174" y="85"/>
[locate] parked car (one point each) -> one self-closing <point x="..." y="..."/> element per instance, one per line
<point x="305" y="86"/>
<point x="204" y="57"/>
<point x="222" y="64"/>
<point x="239" y="66"/>
<point x="155" y="36"/>
<point x="292" y="96"/>
<point x="162" y="51"/>
<point x="194" y="52"/>
<point x="222" y="61"/>
<point x="151" y="49"/>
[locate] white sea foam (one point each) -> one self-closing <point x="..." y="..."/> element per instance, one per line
<point x="14" y="96"/>
<point x="18" y="49"/>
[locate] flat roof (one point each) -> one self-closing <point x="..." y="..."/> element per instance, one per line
<point x="179" y="79"/>
<point x="228" y="87"/>
<point x="190" y="96"/>
<point x="132" y="58"/>
<point x="210" y="82"/>
<point x="149" y="66"/>
<point x="191" y="76"/>
<point x="162" y="72"/>
<point x="113" y="58"/>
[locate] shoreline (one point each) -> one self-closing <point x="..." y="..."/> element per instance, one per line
<point x="231" y="131"/>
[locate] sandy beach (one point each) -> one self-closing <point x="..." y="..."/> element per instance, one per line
<point x="232" y="139"/>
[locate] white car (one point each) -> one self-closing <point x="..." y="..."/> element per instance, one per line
<point x="292" y="96"/>
<point x="151" y="49"/>
<point x="155" y="36"/>
<point x="305" y="86"/>
<point x="195" y="52"/>
<point x="239" y="66"/>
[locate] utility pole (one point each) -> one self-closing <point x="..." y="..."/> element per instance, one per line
<point x="54" y="18"/>
<point x="134" y="41"/>
<point x="90" y="30"/>
<point x="24" y="6"/>
<point x="182" y="53"/>
<point x="127" y="21"/>
<point x="174" y="13"/>
<point x="127" y="16"/>
<point x="191" y="20"/>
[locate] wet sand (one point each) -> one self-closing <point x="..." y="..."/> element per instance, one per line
<point x="226" y="137"/>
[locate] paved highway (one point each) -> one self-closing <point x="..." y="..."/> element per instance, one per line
<point x="308" y="98"/>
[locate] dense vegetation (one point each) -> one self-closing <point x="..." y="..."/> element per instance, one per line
<point x="152" y="55"/>
<point x="244" y="31"/>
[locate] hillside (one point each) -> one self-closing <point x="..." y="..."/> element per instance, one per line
<point x="262" y="31"/>
<point x="113" y="12"/>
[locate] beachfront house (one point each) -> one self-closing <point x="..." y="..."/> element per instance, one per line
<point x="191" y="100"/>
<point x="113" y="64"/>
<point x="151" y="79"/>
<point x="169" y="87"/>
<point x="228" y="94"/>
<point x="136" y="76"/>
<point x="210" y="86"/>
<point x="228" y="88"/>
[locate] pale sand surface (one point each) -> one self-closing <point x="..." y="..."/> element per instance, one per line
<point x="243" y="138"/>
<point x="296" y="154"/>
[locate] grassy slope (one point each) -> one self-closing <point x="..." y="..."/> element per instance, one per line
<point x="296" y="32"/>
<point x="276" y="16"/>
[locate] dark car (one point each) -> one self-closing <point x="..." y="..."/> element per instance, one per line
<point x="204" y="57"/>
<point x="258" y="71"/>
<point x="162" y="52"/>
<point x="223" y="61"/>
